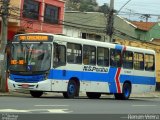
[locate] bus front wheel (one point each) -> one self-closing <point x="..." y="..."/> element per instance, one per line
<point x="71" y="90"/>
<point x="93" y="95"/>
<point x="36" y="94"/>
<point x="126" y="91"/>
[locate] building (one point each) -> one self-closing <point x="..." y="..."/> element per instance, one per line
<point x="147" y="31"/>
<point x="35" y="16"/>
<point x="92" y="25"/>
<point x="87" y="25"/>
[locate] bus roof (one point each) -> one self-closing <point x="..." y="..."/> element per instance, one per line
<point x="101" y="44"/>
<point x="92" y="42"/>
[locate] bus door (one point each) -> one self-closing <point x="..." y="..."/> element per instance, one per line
<point x="115" y="70"/>
<point x="58" y="73"/>
<point x="121" y="70"/>
<point x="127" y="67"/>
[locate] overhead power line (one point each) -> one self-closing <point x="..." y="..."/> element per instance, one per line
<point x="123" y="6"/>
<point x="62" y="22"/>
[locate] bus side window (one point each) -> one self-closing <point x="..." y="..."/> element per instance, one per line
<point x="149" y="62"/>
<point x="89" y="55"/>
<point x="115" y="58"/>
<point x="85" y="59"/>
<point x="128" y="60"/>
<point x="102" y="56"/>
<point x="138" y="61"/>
<point x="74" y="53"/>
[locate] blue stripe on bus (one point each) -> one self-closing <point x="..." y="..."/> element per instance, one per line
<point x="101" y="77"/>
<point x="87" y="76"/>
<point x="111" y="78"/>
<point x="118" y="47"/>
<point x="138" y="79"/>
<point x="27" y="79"/>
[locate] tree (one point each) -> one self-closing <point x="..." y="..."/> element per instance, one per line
<point x="82" y="5"/>
<point x="104" y="8"/>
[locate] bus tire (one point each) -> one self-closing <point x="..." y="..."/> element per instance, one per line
<point x="71" y="90"/>
<point x="93" y="95"/>
<point x="118" y="96"/>
<point x="126" y="91"/>
<point x="36" y="94"/>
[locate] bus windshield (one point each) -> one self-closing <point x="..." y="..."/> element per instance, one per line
<point x="30" y="57"/>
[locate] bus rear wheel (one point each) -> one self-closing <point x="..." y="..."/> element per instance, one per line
<point x="36" y="94"/>
<point x="93" y="95"/>
<point x="72" y="90"/>
<point x="126" y="91"/>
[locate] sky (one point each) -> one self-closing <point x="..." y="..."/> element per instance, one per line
<point x="137" y="6"/>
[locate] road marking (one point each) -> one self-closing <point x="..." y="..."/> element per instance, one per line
<point x="35" y="110"/>
<point x="59" y="111"/>
<point x="143" y="105"/>
<point x="51" y="105"/>
<point x="13" y="110"/>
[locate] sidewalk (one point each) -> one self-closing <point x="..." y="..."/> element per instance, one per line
<point x="155" y="94"/>
<point x="143" y="95"/>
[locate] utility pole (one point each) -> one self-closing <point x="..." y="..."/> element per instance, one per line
<point x="146" y="17"/>
<point x="4" y="31"/>
<point x="110" y="19"/>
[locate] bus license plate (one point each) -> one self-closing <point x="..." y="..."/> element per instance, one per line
<point x="25" y="86"/>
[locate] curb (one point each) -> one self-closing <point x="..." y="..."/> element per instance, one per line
<point x="144" y="95"/>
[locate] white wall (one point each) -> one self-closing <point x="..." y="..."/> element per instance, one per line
<point x="72" y="32"/>
<point x="76" y="32"/>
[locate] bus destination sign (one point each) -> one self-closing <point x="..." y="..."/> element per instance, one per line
<point x="33" y="38"/>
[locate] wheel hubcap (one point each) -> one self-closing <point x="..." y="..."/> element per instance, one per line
<point x="71" y="89"/>
<point x="126" y="92"/>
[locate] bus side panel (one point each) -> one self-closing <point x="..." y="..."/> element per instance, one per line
<point x="111" y="80"/>
<point x="144" y="81"/>
<point x="58" y="80"/>
<point x="94" y="82"/>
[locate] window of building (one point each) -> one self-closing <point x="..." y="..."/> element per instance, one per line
<point x="51" y="14"/>
<point x="84" y="35"/>
<point x="128" y="60"/>
<point x="31" y="9"/>
<point x="115" y="58"/>
<point x="89" y="55"/>
<point x="91" y="36"/>
<point x="103" y="56"/>
<point x="74" y="53"/>
<point x="138" y="61"/>
<point x="149" y="62"/>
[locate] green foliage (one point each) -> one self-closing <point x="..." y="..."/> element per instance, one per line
<point x="104" y="8"/>
<point x="82" y="5"/>
<point x="86" y="6"/>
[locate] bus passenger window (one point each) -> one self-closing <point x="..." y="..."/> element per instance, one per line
<point x="74" y="53"/>
<point x="149" y="62"/>
<point x="103" y="56"/>
<point x="128" y="60"/>
<point x="89" y="55"/>
<point x="115" y="58"/>
<point x="138" y="61"/>
<point x="85" y="60"/>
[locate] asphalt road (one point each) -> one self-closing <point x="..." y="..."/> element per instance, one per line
<point x="58" y="105"/>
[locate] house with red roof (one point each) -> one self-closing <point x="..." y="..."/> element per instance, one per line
<point x="147" y="31"/>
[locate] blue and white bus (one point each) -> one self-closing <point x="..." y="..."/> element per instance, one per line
<point x="42" y="62"/>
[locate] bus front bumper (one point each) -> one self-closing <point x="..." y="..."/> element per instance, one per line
<point x="21" y="87"/>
